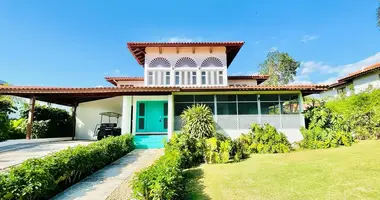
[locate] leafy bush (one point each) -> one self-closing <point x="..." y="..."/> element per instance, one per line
<point x="6" y="108"/>
<point x="42" y="178"/>
<point x="162" y="180"/>
<point x="191" y="149"/>
<point x="59" y="124"/>
<point x="240" y="147"/>
<point x="198" y="121"/>
<point x="266" y="139"/>
<point x="217" y="151"/>
<point x="17" y="129"/>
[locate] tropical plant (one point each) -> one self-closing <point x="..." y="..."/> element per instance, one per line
<point x="280" y="67"/>
<point x="198" y="121"/>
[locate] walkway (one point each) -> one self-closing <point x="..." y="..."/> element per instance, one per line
<point x="15" y="153"/>
<point x="102" y="183"/>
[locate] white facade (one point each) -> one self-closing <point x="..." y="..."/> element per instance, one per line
<point x="185" y="66"/>
<point x="358" y="85"/>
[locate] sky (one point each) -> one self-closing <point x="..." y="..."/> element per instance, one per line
<point x="75" y="43"/>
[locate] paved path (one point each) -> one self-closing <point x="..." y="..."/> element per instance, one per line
<point x="17" y="153"/>
<point x="102" y="183"/>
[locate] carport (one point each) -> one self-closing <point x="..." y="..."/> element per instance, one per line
<point x="72" y="97"/>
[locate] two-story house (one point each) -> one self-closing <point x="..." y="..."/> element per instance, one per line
<point x="178" y="75"/>
<point x="359" y="81"/>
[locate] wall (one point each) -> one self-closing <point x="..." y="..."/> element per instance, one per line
<point x="363" y="82"/>
<point x="134" y="83"/>
<point x="88" y="116"/>
<point x="242" y="82"/>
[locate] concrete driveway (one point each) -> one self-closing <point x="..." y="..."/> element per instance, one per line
<point x="16" y="153"/>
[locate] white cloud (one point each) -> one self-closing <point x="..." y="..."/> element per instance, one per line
<point x="272" y="49"/>
<point x="307" y="38"/>
<point x="331" y="72"/>
<point x="117" y="71"/>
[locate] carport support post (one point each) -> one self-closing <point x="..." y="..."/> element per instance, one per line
<point x="30" y="117"/>
<point x="74" y="119"/>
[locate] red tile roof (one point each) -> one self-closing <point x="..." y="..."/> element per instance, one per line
<point x="138" y="48"/>
<point x="362" y="72"/>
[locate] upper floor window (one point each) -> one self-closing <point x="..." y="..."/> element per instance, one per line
<point x="150" y="78"/>
<point x="159" y="62"/>
<point x="212" y="62"/>
<point x="167" y="78"/>
<point x="204" y="76"/>
<point x="185" y="62"/>
<point x="177" y="78"/>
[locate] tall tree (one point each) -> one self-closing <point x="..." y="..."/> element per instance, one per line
<point x="280" y="67"/>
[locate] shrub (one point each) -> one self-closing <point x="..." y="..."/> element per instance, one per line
<point x="162" y="180"/>
<point x="198" y="121"/>
<point x="59" y="124"/>
<point x="318" y="138"/>
<point x="42" y="178"/>
<point x="266" y="139"/>
<point x="240" y="147"/>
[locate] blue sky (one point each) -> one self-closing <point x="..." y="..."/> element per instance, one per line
<point x="77" y="43"/>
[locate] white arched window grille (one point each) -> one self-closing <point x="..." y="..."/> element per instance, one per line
<point x="212" y="62"/>
<point x="159" y="62"/>
<point x="185" y="62"/>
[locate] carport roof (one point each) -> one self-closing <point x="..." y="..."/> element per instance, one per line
<point x="72" y="96"/>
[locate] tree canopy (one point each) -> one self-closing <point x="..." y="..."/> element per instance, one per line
<point x="280" y="67"/>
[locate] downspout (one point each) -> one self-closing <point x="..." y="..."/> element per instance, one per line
<point x="131" y="121"/>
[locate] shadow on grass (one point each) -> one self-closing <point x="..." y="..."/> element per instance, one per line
<point x="194" y="184"/>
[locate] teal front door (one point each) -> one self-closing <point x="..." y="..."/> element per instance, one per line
<point x="152" y="116"/>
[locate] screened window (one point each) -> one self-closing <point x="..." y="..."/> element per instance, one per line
<point x="270" y="108"/>
<point x="248" y="108"/>
<point x="226" y="97"/>
<point x="150" y="78"/>
<point x="289" y="104"/>
<point x="269" y="97"/>
<point x="226" y="108"/>
<point x="180" y="107"/>
<point x="247" y="97"/>
<point x="204" y="98"/>
<point x="194" y="78"/>
<point x="184" y="98"/>
<point x="220" y="77"/>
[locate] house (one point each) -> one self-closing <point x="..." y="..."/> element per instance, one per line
<point x="178" y="75"/>
<point x="359" y="81"/>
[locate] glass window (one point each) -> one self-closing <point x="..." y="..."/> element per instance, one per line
<point x="184" y="98"/>
<point x="183" y="78"/>
<point x="141" y="123"/>
<point x="150" y="78"/>
<point x="180" y="107"/>
<point x="209" y="74"/>
<point x="290" y="107"/>
<point x="221" y="77"/>
<point x="177" y="78"/>
<point x="194" y="77"/>
<point x="165" y="123"/>
<point x="204" y="98"/>
<point x="225" y="98"/>
<point x="167" y="78"/>
<point x="270" y="108"/>
<point x="141" y="109"/>
<point x="215" y="76"/>
<point x="165" y="109"/>
<point x="247" y="97"/>
<point x="226" y="108"/>
<point x="210" y="105"/>
<point x="288" y="97"/>
<point x="203" y="78"/>
<point x="248" y="108"/>
<point x="269" y="97"/>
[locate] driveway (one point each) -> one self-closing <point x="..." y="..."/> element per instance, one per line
<point x="17" y="153"/>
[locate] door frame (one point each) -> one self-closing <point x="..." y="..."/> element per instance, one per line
<point x="137" y="116"/>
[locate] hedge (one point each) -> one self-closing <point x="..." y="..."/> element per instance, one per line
<point x="43" y="178"/>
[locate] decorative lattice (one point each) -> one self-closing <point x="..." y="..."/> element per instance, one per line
<point x="159" y="62"/>
<point x="212" y="62"/>
<point x="185" y="62"/>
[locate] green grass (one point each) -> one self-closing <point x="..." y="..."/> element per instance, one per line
<point x="339" y="173"/>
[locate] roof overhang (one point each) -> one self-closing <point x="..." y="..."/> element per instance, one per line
<point x="114" y="80"/>
<point x="138" y="48"/>
<point x="349" y="78"/>
<point x="74" y="96"/>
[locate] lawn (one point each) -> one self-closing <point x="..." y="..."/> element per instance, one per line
<point x="339" y="173"/>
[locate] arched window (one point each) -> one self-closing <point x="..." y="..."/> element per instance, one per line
<point x="185" y="62"/>
<point x="212" y="62"/>
<point x="159" y="62"/>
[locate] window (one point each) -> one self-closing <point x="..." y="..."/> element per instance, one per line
<point x="248" y="108"/>
<point x="177" y="78"/>
<point x="270" y="108"/>
<point x="341" y="90"/>
<point x="247" y="97"/>
<point x="226" y="108"/>
<point x="150" y="78"/>
<point x="289" y="104"/>
<point x="184" y="98"/>
<point x="167" y="78"/>
<point x="194" y="78"/>
<point x="203" y="78"/>
<point x="204" y="98"/>
<point x="225" y="98"/>
<point x="221" y="77"/>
